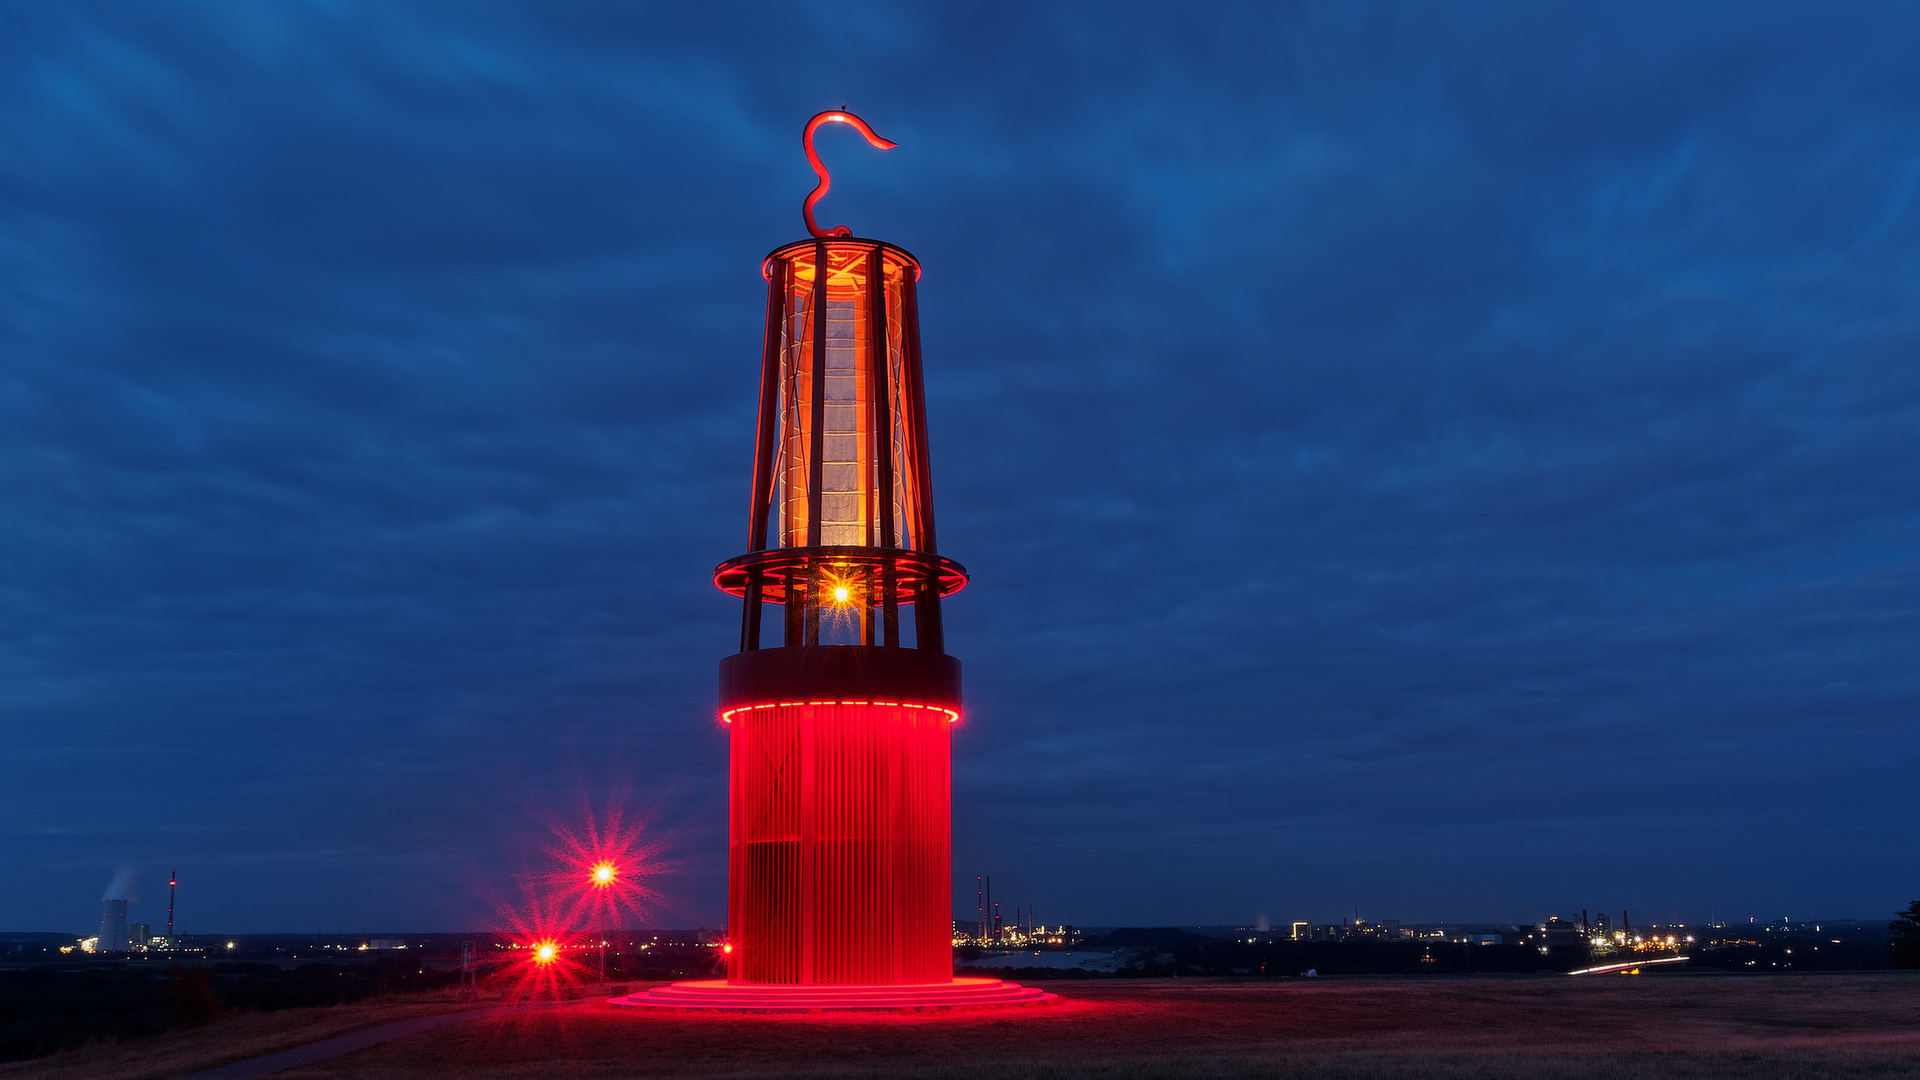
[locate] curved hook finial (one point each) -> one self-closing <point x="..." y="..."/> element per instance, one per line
<point x="832" y="116"/>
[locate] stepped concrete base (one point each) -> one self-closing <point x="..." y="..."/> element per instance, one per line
<point x="961" y="993"/>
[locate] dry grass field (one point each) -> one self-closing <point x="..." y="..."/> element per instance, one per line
<point x="231" y="1039"/>
<point x="1484" y="1028"/>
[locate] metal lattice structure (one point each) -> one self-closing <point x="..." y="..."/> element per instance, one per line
<point x="839" y="815"/>
<point x="839" y="851"/>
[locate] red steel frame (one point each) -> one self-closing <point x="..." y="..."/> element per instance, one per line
<point x="839" y="888"/>
<point x="839" y="837"/>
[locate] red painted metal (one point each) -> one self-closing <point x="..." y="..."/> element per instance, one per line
<point x="833" y="351"/>
<point x="905" y="573"/>
<point x="840" y="845"/>
<point x="839" y="825"/>
<point x="952" y="715"/>
<point x="840" y="673"/>
<point x="820" y="170"/>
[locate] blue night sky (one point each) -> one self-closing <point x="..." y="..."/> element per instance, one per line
<point x="1455" y="461"/>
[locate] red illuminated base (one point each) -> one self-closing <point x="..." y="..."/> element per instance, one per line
<point x="769" y="997"/>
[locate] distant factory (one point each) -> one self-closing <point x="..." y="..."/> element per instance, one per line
<point x="116" y="935"/>
<point x="989" y="929"/>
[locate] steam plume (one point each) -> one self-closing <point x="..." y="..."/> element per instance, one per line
<point x="125" y="879"/>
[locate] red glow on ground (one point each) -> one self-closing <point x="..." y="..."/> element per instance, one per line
<point x="960" y="993"/>
<point x="1506" y="1028"/>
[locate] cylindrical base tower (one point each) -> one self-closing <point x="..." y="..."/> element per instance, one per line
<point x="842" y="876"/>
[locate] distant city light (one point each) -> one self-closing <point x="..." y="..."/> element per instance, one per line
<point x="545" y="952"/>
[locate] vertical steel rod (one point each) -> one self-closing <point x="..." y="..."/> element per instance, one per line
<point x="764" y="450"/>
<point x="889" y="607"/>
<point x="928" y="633"/>
<point x="750" y="625"/>
<point x="880" y="368"/>
<point x="818" y="437"/>
<point x="882" y="414"/>
<point x="917" y="409"/>
<point x="795" y="613"/>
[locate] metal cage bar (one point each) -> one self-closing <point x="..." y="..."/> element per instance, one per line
<point x="882" y="486"/>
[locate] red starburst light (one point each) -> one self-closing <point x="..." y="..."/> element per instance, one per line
<point x="599" y="873"/>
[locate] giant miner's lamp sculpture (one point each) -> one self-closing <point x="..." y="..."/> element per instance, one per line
<point x="839" y="835"/>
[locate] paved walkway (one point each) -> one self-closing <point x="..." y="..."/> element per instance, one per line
<point x="356" y="1040"/>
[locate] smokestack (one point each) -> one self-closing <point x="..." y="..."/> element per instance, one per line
<point x="173" y="879"/>
<point x="113" y="927"/>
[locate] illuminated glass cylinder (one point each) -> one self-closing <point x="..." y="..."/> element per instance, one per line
<point x="841" y="528"/>
<point x="840" y="858"/>
<point x="840" y="307"/>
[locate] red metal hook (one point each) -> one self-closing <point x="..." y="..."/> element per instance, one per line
<point x="832" y="117"/>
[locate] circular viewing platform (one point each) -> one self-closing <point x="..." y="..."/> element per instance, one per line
<point x="865" y="574"/>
